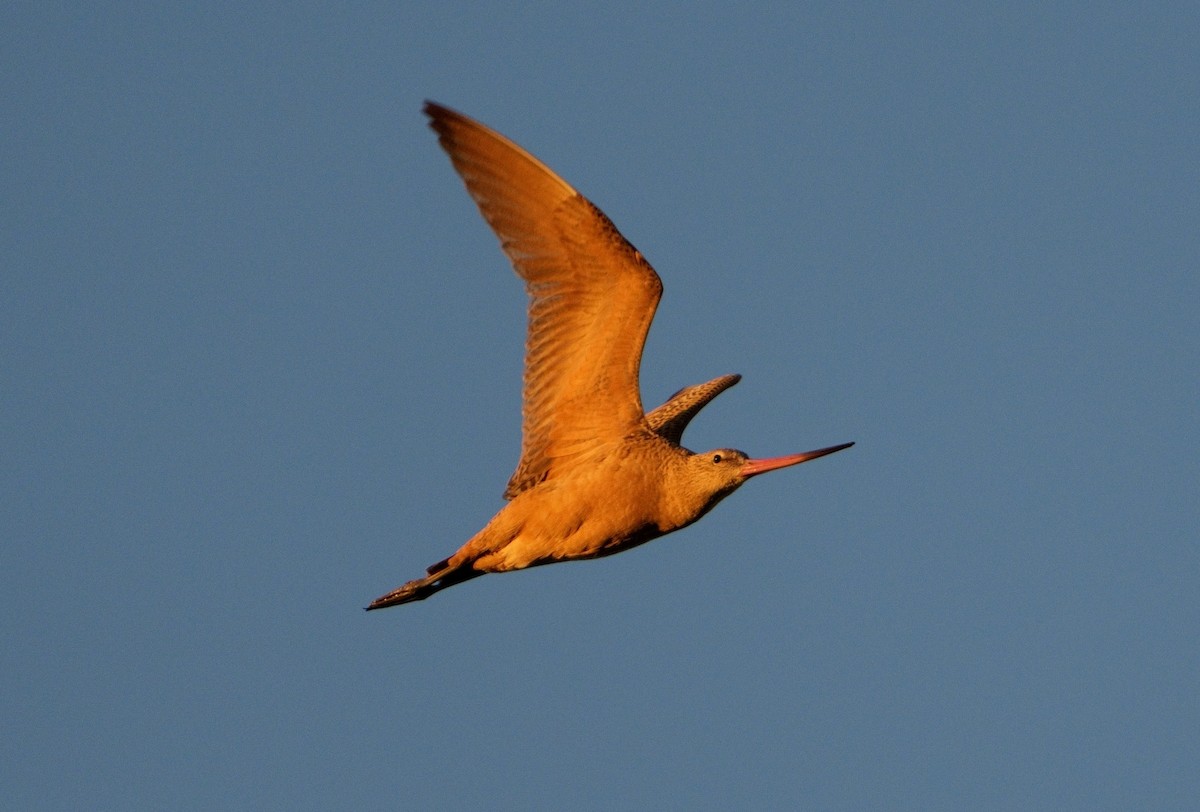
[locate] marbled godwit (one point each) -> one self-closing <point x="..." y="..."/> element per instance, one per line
<point x="597" y="475"/>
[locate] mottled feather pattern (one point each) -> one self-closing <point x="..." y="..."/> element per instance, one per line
<point x="596" y="475"/>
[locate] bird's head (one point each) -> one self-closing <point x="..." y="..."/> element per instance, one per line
<point x="713" y="475"/>
<point x="718" y="471"/>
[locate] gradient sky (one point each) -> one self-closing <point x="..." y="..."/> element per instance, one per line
<point x="261" y="364"/>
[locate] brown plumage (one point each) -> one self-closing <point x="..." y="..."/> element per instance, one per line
<point x="597" y="475"/>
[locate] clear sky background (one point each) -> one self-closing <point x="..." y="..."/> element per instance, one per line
<point x="261" y="363"/>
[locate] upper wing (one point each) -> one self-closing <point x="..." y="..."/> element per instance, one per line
<point x="670" y="419"/>
<point x="592" y="297"/>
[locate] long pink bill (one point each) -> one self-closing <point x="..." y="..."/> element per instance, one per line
<point x="755" y="467"/>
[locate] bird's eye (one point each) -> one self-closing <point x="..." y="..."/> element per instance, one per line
<point x="716" y="457"/>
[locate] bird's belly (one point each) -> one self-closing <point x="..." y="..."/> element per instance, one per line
<point x="534" y="549"/>
<point x="550" y="531"/>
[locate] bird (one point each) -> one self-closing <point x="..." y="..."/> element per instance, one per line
<point x="597" y="475"/>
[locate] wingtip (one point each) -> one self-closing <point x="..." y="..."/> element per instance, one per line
<point x="436" y="111"/>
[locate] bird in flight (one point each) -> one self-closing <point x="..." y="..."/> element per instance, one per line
<point x="597" y="474"/>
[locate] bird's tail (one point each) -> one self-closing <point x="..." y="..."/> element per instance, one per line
<point x="440" y="577"/>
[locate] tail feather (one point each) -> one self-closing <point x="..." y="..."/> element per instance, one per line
<point x="422" y="588"/>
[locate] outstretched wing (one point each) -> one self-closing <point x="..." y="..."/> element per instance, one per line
<point x="670" y="419"/>
<point x="592" y="298"/>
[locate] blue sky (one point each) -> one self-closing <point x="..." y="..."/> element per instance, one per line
<point x="261" y="363"/>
